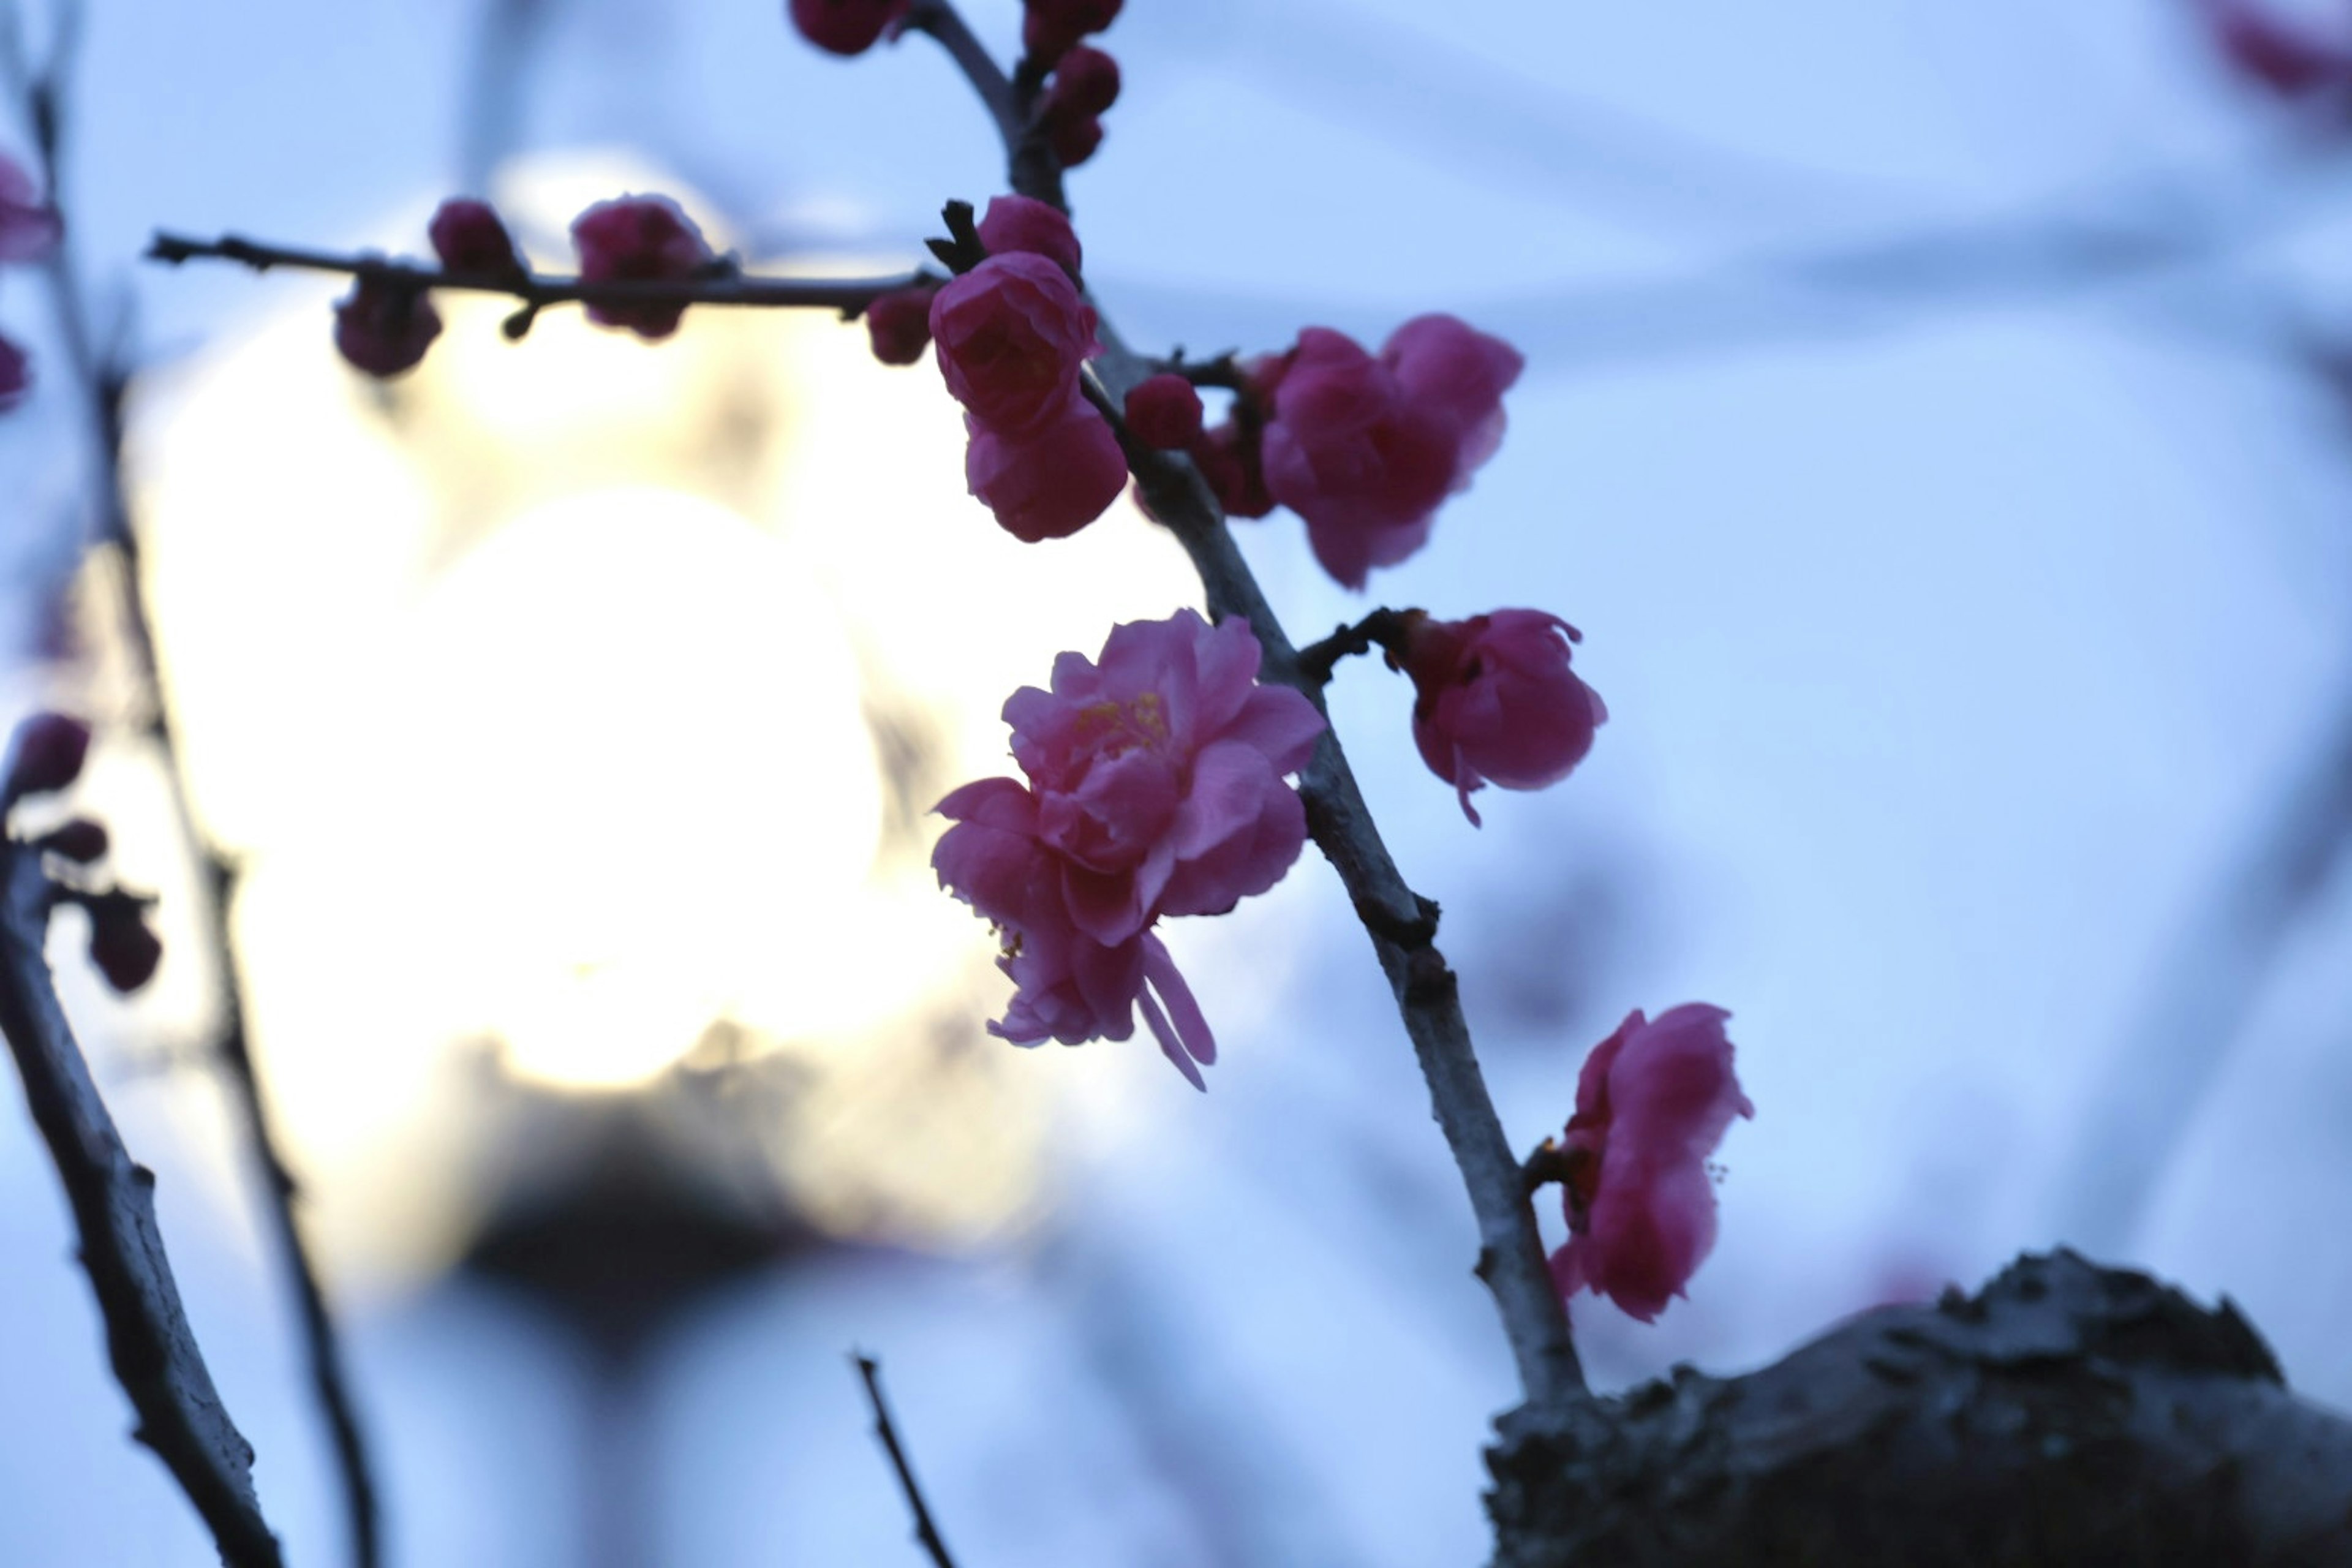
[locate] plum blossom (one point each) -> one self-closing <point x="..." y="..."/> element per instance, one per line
<point x="898" y="324"/>
<point x="639" y="239"/>
<point x="469" y="236"/>
<point x="1025" y="223"/>
<point x="1084" y="87"/>
<point x="1164" y="411"/>
<point x="845" y="27"/>
<point x="1365" y="449"/>
<point x="384" y="328"/>
<point x="1653" y="1102"/>
<point x="1155" y="787"/>
<point x="1050" y="482"/>
<point x="1496" y="702"/>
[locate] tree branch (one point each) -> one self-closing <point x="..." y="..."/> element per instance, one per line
<point x="849" y="295"/>
<point x="926" y="1532"/>
<point x="154" y="1351"/>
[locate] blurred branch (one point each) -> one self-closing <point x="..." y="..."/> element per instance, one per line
<point x="1510" y="1253"/>
<point x="925" y="1530"/>
<point x="849" y="295"/>
<point x="104" y="381"/>
<point x="154" y="1351"/>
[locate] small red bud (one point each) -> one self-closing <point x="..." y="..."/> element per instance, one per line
<point x="80" y="840"/>
<point x="899" y="325"/>
<point x="469" y="236"/>
<point x="1164" y="411"/>
<point x="1072" y="138"/>
<point x="121" y="946"/>
<point x="1086" y="83"/>
<point x="384" y="328"/>
<point x="845" y="27"/>
<point x="49" y="751"/>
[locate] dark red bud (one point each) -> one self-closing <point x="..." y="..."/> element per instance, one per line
<point x="469" y="236"/>
<point x="899" y="325"/>
<point x="1086" y="83"/>
<point x="49" y="751"/>
<point x="80" y="840"/>
<point x="121" y="946"/>
<point x="384" y="328"/>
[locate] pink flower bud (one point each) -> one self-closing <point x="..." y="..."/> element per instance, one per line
<point x="1230" y="464"/>
<point x="898" y="324"/>
<point x="1050" y="482"/>
<point x="1652" y="1103"/>
<point x="384" y="328"/>
<point x="28" y="227"/>
<point x="1085" y="83"/>
<point x="1073" y="137"/>
<point x="47" y="754"/>
<point x="1496" y="702"/>
<point x="1012" y="334"/>
<point x="469" y="236"/>
<point x="1164" y="411"/>
<point x="1023" y="223"/>
<point x="15" y="374"/>
<point x="638" y="240"/>
<point x="1052" y="27"/>
<point x="845" y="27"/>
<point x="2287" y="58"/>
<point x="121" y="946"/>
<point x="80" y="840"/>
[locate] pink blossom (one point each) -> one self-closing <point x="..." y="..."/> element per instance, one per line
<point x="1023" y="223"/>
<point x="1164" y="411"/>
<point x="1051" y="28"/>
<point x="845" y="27"/>
<point x="1652" y="1104"/>
<point x="638" y="240"/>
<point x="1496" y="702"/>
<point x="2288" y="58"/>
<point x="1228" y="460"/>
<point x="1365" y="449"/>
<point x="46" y="755"/>
<point x="15" y="374"/>
<point x="898" y="324"/>
<point x="469" y="238"/>
<point x="1012" y="334"/>
<point x="1155" y="787"/>
<point x="28" y="227"/>
<point x="384" y="328"/>
<point x="1049" y="482"/>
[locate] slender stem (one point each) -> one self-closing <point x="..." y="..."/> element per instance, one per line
<point x="1034" y="171"/>
<point x="926" y="1532"/>
<point x="1400" y="922"/>
<point x="153" y="1350"/>
<point x="1383" y="629"/>
<point x="849" y="295"/>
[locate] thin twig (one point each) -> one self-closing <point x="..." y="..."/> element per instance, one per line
<point x="926" y="1532"/>
<point x="1385" y="629"/>
<point x="154" y="1351"/>
<point x="1510" y="1253"/>
<point x="849" y="295"/>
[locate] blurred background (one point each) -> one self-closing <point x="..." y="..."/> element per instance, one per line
<point x="1937" y="419"/>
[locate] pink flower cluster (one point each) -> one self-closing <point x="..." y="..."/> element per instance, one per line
<point x="1496" y="702"/>
<point x="1012" y="335"/>
<point x="29" y="228"/>
<point x="1653" y="1102"/>
<point x="1364" y="448"/>
<point x="1155" y="787"/>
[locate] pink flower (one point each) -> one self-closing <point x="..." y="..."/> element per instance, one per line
<point x="1365" y="449"/>
<point x="469" y="236"/>
<point x="1023" y="223"/>
<point x="28" y="227"/>
<point x="1496" y="702"/>
<point x="1229" y="461"/>
<point x="1653" y="1102"/>
<point x="898" y="324"/>
<point x="1164" y="411"/>
<point x="1052" y="27"/>
<point x="638" y="240"/>
<point x="2289" y="59"/>
<point x="1049" y="482"/>
<point x="845" y="27"/>
<point x="15" y="374"/>
<point x="384" y="328"/>
<point x="1085" y="86"/>
<point x="1012" y="334"/>
<point x="1156" y="787"/>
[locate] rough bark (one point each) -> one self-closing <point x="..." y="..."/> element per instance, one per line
<point x="2067" y="1414"/>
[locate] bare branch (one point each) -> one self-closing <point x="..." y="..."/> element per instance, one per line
<point x="154" y="1351"/>
<point x="926" y="1532"/>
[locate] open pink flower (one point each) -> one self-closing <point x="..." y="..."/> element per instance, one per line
<point x="1364" y="449"/>
<point x="1496" y="702"/>
<point x="1652" y="1104"/>
<point x="638" y="240"/>
<point x="1012" y="334"/>
<point x="1156" y="787"/>
<point x="28" y="225"/>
